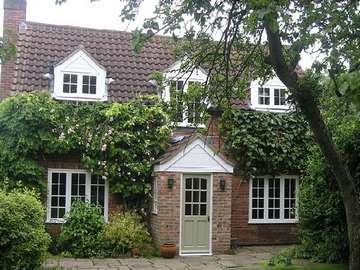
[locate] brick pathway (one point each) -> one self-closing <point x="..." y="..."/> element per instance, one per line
<point x="244" y="258"/>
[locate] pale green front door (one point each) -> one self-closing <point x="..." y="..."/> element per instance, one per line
<point x="195" y="233"/>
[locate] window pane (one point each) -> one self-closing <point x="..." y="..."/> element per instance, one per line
<point x="93" y="80"/>
<point x="97" y="190"/>
<point x="188" y="209"/>
<point x="66" y="88"/>
<point x="92" y="89"/>
<point x="203" y="209"/>
<point x="195" y="196"/>
<point x="85" y="89"/>
<point x="195" y="209"/>
<point x="196" y="183"/>
<point x="188" y="183"/>
<point x="66" y="77"/>
<point x="203" y="196"/>
<point x="203" y="184"/>
<point x="58" y="192"/>
<point x="73" y="78"/>
<point x="73" y="88"/>
<point x="188" y="196"/>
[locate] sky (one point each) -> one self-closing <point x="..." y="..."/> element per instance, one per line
<point x="103" y="14"/>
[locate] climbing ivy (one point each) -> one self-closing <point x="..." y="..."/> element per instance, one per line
<point x="265" y="142"/>
<point x="117" y="141"/>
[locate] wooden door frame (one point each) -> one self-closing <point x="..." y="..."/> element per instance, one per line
<point x="210" y="214"/>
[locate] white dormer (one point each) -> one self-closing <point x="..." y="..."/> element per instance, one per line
<point x="270" y="96"/>
<point x="176" y="77"/>
<point x="80" y="77"/>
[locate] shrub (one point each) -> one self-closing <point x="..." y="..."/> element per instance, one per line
<point x="23" y="239"/>
<point x="125" y="232"/>
<point x="282" y="259"/>
<point x="80" y="233"/>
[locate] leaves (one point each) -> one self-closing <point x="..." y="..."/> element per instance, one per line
<point x="266" y="143"/>
<point x="117" y="141"/>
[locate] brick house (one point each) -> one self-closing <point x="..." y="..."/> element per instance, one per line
<point x="198" y="202"/>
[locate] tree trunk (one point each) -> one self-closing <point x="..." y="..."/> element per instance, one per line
<point x="304" y="95"/>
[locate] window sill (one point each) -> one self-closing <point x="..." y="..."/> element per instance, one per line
<point x="279" y="221"/>
<point x="79" y="98"/>
<point x="55" y="221"/>
<point x="182" y="124"/>
<point x="155" y="213"/>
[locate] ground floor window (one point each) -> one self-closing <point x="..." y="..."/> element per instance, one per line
<point x="66" y="186"/>
<point x="273" y="199"/>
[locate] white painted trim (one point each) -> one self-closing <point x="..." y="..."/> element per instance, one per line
<point x="266" y="220"/>
<point x="155" y="206"/>
<point x="196" y="252"/>
<point x="226" y="167"/>
<point x="91" y="69"/>
<point x="68" y="193"/>
<point x="273" y="83"/>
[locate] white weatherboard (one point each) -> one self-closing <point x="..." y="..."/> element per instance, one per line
<point x="196" y="157"/>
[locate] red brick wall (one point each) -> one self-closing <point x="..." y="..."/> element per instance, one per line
<point x="14" y="14"/>
<point x="243" y="233"/>
<point x="165" y="225"/>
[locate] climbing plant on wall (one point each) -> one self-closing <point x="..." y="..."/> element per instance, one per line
<point x="265" y="142"/>
<point x="117" y="141"/>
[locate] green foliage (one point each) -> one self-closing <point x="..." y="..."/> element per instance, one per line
<point x="117" y="141"/>
<point x="125" y="232"/>
<point x="80" y="233"/>
<point x="323" y="229"/>
<point x="269" y="143"/>
<point x="282" y="259"/>
<point x="23" y="240"/>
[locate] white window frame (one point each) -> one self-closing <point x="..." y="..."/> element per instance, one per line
<point x="88" y="67"/>
<point x="68" y="193"/>
<point x="272" y="84"/>
<point x="281" y="220"/>
<point x="155" y="196"/>
<point x="173" y="73"/>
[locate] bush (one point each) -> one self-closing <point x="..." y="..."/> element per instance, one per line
<point x="23" y="239"/>
<point x="323" y="230"/>
<point x="125" y="232"/>
<point x="80" y="233"/>
<point x="282" y="259"/>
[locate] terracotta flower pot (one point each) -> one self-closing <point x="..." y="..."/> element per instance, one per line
<point x="168" y="250"/>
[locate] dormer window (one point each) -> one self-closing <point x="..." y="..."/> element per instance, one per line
<point x="179" y="85"/>
<point x="79" y="77"/>
<point x="269" y="96"/>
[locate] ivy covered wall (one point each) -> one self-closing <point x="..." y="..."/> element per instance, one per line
<point x="117" y="141"/>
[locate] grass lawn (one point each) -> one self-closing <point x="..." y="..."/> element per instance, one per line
<point x="310" y="266"/>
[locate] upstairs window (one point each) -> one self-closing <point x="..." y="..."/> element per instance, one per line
<point x="187" y="103"/>
<point x="80" y="77"/>
<point x="269" y="96"/>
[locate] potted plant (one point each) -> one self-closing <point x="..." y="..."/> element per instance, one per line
<point x="168" y="248"/>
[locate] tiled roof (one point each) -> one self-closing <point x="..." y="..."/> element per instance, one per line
<point x="41" y="46"/>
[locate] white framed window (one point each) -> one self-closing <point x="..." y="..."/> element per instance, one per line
<point x="187" y="114"/>
<point x="269" y="96"/>
<point x="79" y="77"/>
<point x="273" y="199"/>
<point x="65" y="186"/>
<point x="155" y="196"/>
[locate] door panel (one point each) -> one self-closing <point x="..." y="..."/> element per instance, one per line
<point x="195" y="213"/>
